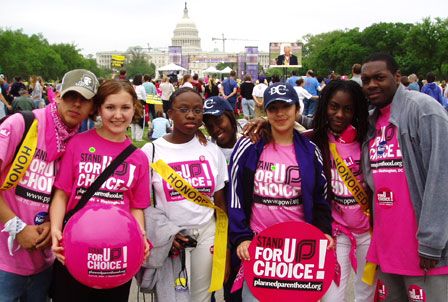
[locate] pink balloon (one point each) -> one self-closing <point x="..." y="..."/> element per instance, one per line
<point x="103" y="246"/>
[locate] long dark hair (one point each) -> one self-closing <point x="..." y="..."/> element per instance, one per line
<point x="320" y="123"/>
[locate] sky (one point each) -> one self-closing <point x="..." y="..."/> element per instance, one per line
<point x="98" y="25"/>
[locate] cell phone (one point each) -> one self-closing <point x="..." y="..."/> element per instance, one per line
<point x="190" y="243"/>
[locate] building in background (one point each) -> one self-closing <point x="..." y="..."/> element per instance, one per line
<point x="186" y="51"/>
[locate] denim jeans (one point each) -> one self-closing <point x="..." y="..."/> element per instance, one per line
<point x="248" y="106"/>
<point x="34" y="288"/>
<point x="247" y="295"/>
<point x="310" y="107"/>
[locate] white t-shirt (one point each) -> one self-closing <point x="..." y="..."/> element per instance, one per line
<point x="187" y="84"/>
<point x="259" y="90"/>
<point x="141" y="92"/>
<point x="302" y="93"/>
<point x="167" y="90"/>
<point x="204" y="167"/>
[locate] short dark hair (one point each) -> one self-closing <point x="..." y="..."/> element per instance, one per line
<point x="147" y="78"/>
<point x="430" y="77"/>
<point x="233" y="73"/>
<point x="137" y="79"/>
<point x="391" y="64"/>
<point x="294" y="72"/>
<point x="300" y="81"/>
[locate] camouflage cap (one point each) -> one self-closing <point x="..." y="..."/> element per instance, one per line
<point x="80" y="80"/>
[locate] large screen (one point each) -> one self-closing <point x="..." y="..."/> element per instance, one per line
<point x="285" y="54"/>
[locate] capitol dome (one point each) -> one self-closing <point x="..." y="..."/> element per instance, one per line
<point x="186" y="34"/>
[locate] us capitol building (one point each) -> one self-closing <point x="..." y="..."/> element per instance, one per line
<point x="186" y="51"/>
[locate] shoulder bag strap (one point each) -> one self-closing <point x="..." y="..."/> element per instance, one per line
<point x="100" y="180"/>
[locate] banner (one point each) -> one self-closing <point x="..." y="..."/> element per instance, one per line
<point x="153" y="99"/>
<point x="183" y="187"/>
<point x="289" y="262"/>
<point x="117" y="60"/>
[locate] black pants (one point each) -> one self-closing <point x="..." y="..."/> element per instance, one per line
<point x="65" y="288"/>
<point x="166" y="107"/>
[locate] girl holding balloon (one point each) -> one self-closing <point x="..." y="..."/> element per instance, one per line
<point x="87" y="155"/>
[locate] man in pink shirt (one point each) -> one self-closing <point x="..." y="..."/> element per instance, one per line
<point x="25" y="257"/>
<point x="402" y="154"/>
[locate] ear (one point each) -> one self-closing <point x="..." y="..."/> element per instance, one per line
<point x="398" y="76"/>
<point x="58" y="97"/>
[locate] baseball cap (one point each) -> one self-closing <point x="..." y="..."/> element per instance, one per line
<point x="216" y="106"/>
<point x="80" y="80"/>
<point x="280" y="92"/>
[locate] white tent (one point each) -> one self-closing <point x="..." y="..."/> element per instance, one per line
<point x="226" y="70"/>
<point x="172" y="67"/>
<point x="211" y="69"/>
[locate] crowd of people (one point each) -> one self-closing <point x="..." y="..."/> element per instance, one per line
<point x="385" y="219"/>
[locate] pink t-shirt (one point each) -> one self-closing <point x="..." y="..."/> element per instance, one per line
<point x="345" y="209"/>
<point x="277" y="188"/>
<point x="87" y="155"/>
<point x="31" y="198"/>
<point x="394" y="243"/>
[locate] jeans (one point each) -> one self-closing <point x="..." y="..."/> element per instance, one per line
<point x="247" y="295"/>
<point x="248" y="106"/>
<point x="397" y="288"/>
<point x="310" y="107"/>
<point x="34" y="288"/>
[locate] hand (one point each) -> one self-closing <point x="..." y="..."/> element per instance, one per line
<point x="331" y="243"/>
<point x="426" y="263"/>
<point x="228" y="266"/>
<point x="252" y="129"/>
<point x="44" y="239"/>
<point x="56" y="247"/>
<point x="177" y="242"/>
<point x="147" y="250"/>
<point x="242" y="251"/>
<point x="28" y="237"/>
<point x="9" y="107"/>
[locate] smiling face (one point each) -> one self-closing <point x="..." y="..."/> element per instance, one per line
<point x="221" y="130"/>
<point x="186" y="113"/>
<point x="116" y="114"/>
<point x="281" y="117"/>
<point x="379" y="83"/>
<point x="340" y="111"/>
<point x="73" y="108"/>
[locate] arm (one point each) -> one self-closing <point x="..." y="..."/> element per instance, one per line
<point x="219" y="199"/>
<point x="432" y="231"/>
<point x="139" y="216"/>
<point x="28" y="236"/>
<point x="321" y="209"/>
<point x="57" y="212"/>
<point x="2" y="98"/>
<point x="232" y="93"/>
<point x="240" y="233"/>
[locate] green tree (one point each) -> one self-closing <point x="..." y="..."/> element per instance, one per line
<point x="24" y="55"/>
<point x="138" y="63"/>
<point x="426" y="44"/>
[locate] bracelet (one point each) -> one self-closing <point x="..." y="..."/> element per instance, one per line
<point x="13" y="226"/>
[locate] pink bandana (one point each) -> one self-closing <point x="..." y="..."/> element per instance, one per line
<point x="56" y="139"/>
